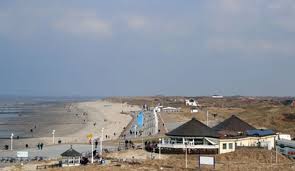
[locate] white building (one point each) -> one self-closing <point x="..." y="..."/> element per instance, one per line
<point x="171" y="109"/>
<point x="217" y="97"/>
<point x="191" y="102"/>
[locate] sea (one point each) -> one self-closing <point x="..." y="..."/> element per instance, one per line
<point x="12" y="107"/>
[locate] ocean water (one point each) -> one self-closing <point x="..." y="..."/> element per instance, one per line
<point x="13" y="108"/>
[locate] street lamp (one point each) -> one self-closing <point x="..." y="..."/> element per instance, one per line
<point x="101" y="138"/>
<point x="160" y="142"/>
<point x="135" y="126"/>
<point x="53" y="132"/>
<point x="11" y="142"/>
<point x="92" y="150"/>
<point x="186" y="155"/>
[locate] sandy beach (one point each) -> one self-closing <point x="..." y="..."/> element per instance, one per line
<point x="72" y="123"/>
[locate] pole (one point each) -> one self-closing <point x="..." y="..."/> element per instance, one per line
<point x="53" y="132"/>
<point x="101" y="138"/>
<point x="135" y="130"/>
<point x="207" y="117"/>
<point x="160" y="148"/>
<point x="185" y="156"/>
<point x="142" y="143"/>
<point x="276" y="155"/>
<point x="11" y="142"/>
<point x="92" y="150"/>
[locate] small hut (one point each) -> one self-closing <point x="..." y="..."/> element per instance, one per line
<point x="71" y="158"/>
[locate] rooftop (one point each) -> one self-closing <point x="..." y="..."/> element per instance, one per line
<point x="193" y="128"/>
<point x="233" y="124"/>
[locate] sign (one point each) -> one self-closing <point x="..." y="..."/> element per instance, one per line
<point x="22" y="154"/>
<point x="89" y="136"/>
<point x="206" y="160"/>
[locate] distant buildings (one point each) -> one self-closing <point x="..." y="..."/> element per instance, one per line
<point x="217" y="96"/>
<point x="171" y="109"/>
<point x="194" y="110"/>
<point x="191" y="102"/>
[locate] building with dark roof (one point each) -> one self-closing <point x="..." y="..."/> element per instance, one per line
<point x="71" y="157"/>
<point x="193" y="128"/>
<point x="222" y="138"/>
<point x="194" y="135"/>
<point x="233" y="126"/>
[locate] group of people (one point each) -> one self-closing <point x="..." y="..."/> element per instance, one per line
<point x="40" y="146"/>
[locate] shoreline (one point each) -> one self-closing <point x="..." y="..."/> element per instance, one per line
<point x="72" y="122"/>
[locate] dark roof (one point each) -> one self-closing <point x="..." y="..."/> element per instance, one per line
<point x="259" y="132"/>
<point x="71" y="153"/>
<point x="193" y="128"/>
<point x="233" y="124"/>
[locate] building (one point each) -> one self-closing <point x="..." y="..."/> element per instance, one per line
<point x="233" y="126"/>
<point x="194" y="135"/>
<point x="171" y="109"/>
<point x="71" y="158"/>
<point x="286" y="147"/>
<point x="217" y="96"/>
<point x="245" y="134"/>
<point x="191" y="102"/>
<point x="223" y="138"/>
<point x="194" y="110"/>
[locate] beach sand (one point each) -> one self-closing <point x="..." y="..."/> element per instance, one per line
<point x="72" y="123"/>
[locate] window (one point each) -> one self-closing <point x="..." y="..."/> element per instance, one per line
<point x="230" y="146"/>
<point x="224" y="146"/>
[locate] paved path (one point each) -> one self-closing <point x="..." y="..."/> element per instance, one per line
<point x="54" y="151"/>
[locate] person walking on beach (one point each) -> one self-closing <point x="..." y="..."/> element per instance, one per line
<point x="38" y="146"/>
<point x="41" y="146"/>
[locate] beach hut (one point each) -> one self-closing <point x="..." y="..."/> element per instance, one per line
<point x="71" y="158"/>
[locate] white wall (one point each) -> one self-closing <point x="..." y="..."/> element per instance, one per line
<point x="227" y="143"/>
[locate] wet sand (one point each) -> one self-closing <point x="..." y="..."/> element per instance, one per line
<point x="71" y="122"/>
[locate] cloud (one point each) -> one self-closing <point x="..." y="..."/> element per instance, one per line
<point x="263" y="48"/>
<point x="136" y="22"/>
<point x="83" y="24"/>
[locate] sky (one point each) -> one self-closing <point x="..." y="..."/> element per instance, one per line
<point x="147" y="47"/>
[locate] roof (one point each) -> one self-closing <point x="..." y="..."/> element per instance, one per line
<point x="233" y="124"/>
<point x="193" y="128"/>
<point x="259" y="132"/>
<point x="71" y="153"/>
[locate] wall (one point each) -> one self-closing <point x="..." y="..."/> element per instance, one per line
<point x="227" y="142"/>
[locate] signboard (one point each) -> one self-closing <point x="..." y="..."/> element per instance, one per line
<point x="207" y="160"/>
<point x="89" y="136"/>
<point x="22" y="154"/>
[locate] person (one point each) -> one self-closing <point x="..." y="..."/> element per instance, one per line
<point x="27" y="146"/>
<point x="38" y="146"/>
<point x="96" y="143"/>
<point x="41" y="146"/>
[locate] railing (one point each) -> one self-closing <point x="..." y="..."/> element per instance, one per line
<point x="188" y="146"/>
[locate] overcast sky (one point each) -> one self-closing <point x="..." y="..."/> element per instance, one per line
<point x="147" y="47"/>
